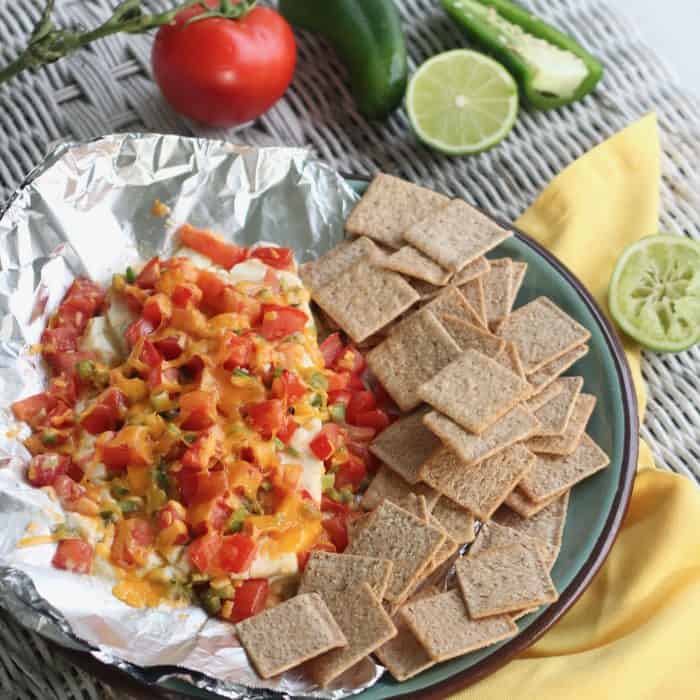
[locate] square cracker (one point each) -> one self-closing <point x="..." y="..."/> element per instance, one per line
<point x="451" y="301"/>
<point x="518" y="424"/>
<point x="412" y="263"/>
<point x="474" y="390"/>
<point x="388" y="485"/>
<point x="504" y="580"/>
<point x="519" y="271"/>
<point x="455" y="235"/>
<point x="545" y="396"/>
<point x="365" y="298"/>
<point x="326" y="571"/>
<point x="404" y="655"/>
<point x="289" y="634"/>
<point x="482" y="488"/>
<point x="443" y="626"/>
<point x="405" y="445"/>
<point x="393" y="533"/>
<point x="471" y="337"/>
<point x="569" y="440"/>
<point x="492" y="535"/>
<point x="471" y="271"/>
<point x="322" y="271"/>
<point x="555" y="414"/>
<point x="543" y="377"/>
<point x="473" y="292"/>
<point x="551" y="475"/>
<point x="518" y="502"/>
<point x="416" y="351"/>
<point x="542" y="332"/>
<point x="364" y="623"/>
<point x="426" y="291"/>
<point x="511" y="359"/>
<point x="458" y="522"/>
<point x="389" y="206"/>
<point x="497" y="285"/>
<point x="547" y="525"/>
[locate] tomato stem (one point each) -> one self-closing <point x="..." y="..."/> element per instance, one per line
<point x="48" y="43"/>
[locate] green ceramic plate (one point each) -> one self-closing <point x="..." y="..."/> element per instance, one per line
<point x="596" y="506"/>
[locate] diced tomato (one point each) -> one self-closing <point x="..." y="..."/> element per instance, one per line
<point x="150" y="354"/>
<point x="65" y="390"/>
<point x="184" y="294"/>
<point x="34" y="409"/>
<point x="331" y="348"/>
<point x="375" y="418"/>
<point x="250" y="599"/>
<point x="233" y="301"/>
<point x="208" y="485"/>
<point x="359" y="435"/>
<point x="214" y="247"/>
<point x="355" y="383"/>
<point x="287" y="432"/>
<point x="206" y="447"/>
<point x="149" y="276"/>
<point x="106" y="413"/>
<point x="328" y="505"/>
<point x="271" y="281"/>
<point x="337" y="531"/>
<point x="55" y="341"/>
<point x="135" y="298"/>
<point x="288" y="386"/>
<point x="209" y="516"/>
<point x="327" y="441"/>
<point x="197" y="410"/>
<point x="203" y="551"/>
<point x="211" y="286"/>
<point x="360" y="402"/>
<point x="44" y="468"/>
<point x="279" y="258"/>
<point x="193" y="368"/>
<point x="350" y="360"/>
<point x="84" y="295"/>
<point x="132" y="541"/>
<point x="237" y="553"/>
<point x="73" y="555"/>
<point x="351" y="473"/>
<point x="171" y="347"/>
<point x="70" y="317"/>
<point x="137" y="330"/>
<point x="67" y="362"/>
<point x="131" y="446"/>
<point x="337" y="381"/>
<point x="73" y="496"/>
<point x="281" y="321"/>
<point x="157" y="310"/>
<point x="267" y="417"/>
<point x="236" y="351"/>
<point x="341" y="396"/>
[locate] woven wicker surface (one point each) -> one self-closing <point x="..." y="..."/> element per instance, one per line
<point x="107" y="88"/>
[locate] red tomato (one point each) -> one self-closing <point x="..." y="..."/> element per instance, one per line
<point x="214" y="247"/>
<point x="150" y="355"/>
<point x="209" y="516"/>
<point x="279" y="258"/>
<point x="55" y="341"/>
<point x="106" y="413"/>
<point x="44" y="468"/>
<point x="355" y="383"/>
<point x="207" y="446"/>
<point x="328" y="505"/>
<point x="337" y="381"/>
<point x="131" y="446"/>
<point x="169" y="513"/>
<point x="337" y="531"/>
<point x="138" y="329"/>
<point x="73" y="555"/>
<point x="287" y="432"/>
<point x="149" y="276"/>
<point x="34" y="409"/>
<point x="250" y="599"/>
<point x="327" y="441"/>
<point x="171" y="347"/>
<point x="84" y="295"/>
<point x="281" y="321"/>
<point x="233" y="301"/>
<point x="203" y="551"/>
<point x="183" y="294"/>
<point x="209" y="485"/>
<point x="288" y="386"/>
<point x="70" y="317"/>
<point x="223" y="72"/>
<point x="341" y="396"/>
<point x="132" y="541"/>
<point x="359" y="434"/>
<point x="350" y="360"/>
<point x="157" y="310"/>
<point x="375" y="418"/>
<point x="197" y="410"/>
<point x="267" y="417"/>
<point x="331" y="348"/>
<point x="350" y="473"/>
<point x="211" y="286"/>
<point x="237" y="351"/>
<point x="360" y="402"/>
<point x="237" y="553"/>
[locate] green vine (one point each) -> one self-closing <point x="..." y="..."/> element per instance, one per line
<point x="48" y="43"/>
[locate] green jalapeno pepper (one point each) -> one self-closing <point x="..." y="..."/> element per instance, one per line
<point x="369" y="39"/>
<point x="551" y="68"/>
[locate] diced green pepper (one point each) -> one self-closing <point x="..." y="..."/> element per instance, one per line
<point x="291" y="451"/>
<point x="318" y="381"/>
<point x="337" y="411"/>
<point x="279" y="445"/>
<point x="316" y="400"/>
<point x="130" y="275"/>
<point x="49" y="437"/>
<point x="160" y="401"/>
<point x="86" y="369"/>
<point x="211" y="601"/>
<point x="238" y="372"/>
<point x="235" y="524"/>
<point x="327" y="482"/>
<point x="130" y="505"/>
<point x="190" y="438"/>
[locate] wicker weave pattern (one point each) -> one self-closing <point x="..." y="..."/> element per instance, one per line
<point x="107" y="88"/>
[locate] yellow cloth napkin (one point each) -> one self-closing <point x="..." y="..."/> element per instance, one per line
<point x="635" y="633"/>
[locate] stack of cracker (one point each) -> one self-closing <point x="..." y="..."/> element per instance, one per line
<point x="492" y="436"/>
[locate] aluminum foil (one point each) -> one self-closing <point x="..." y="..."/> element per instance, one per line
<point x="87" y="211"/>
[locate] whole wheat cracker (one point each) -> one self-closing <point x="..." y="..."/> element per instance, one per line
<point x="473" y="292"/>
<point x="497" y="290"/>
<point x="393" y="533"/>
<point x="425" y="290"/>
<point x="455" y="235"/>
<point x="481" y="488"/>
<point x="416" y="351"/>
<point x="518" y="502"/>
<point x="458" y="522"/>
<point x="388" y="485"/>
<point x="471" y="271"/>
<point x="544" y="376"/>
<point x="452" y="302"/>
<point x="516" y="425"/>
<point x="289" y="634"/>
<point x="519" y="272"/>
<point x="569" y="440"/>
<point x="471" y="337"/>
<point x="474" y="390"/>
<point x="542" y="332"/>
<point x="405" y="445"/>
<point x="365" y="298"/>
<point x="544" y="396"/>
<point x="364" y="623"/>
<point x="443" y="626"/>
<point x="326" y="571"/>
<point x="344" y="255"/>
<point x="412" y="263"/>
<point x="493" y="535"/>
<point x="555" y="414"/>
<point x="551" y="475"/>
<point x="504" y="580"/>
<point x="510" y="359"/>
<point x="389" y="206"/>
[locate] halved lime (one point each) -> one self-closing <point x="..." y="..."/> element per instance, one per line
<point x="655" y="292"/>
<point x="462" y="102"/>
